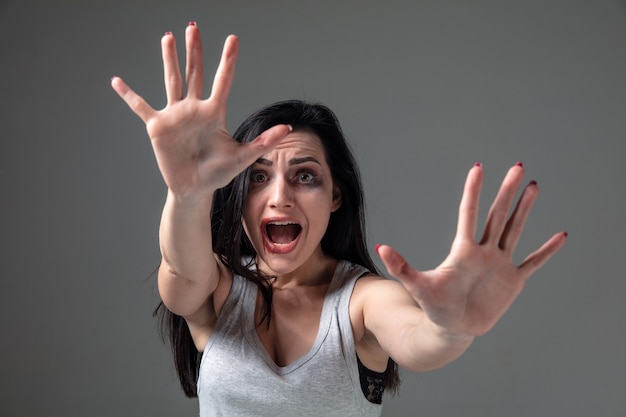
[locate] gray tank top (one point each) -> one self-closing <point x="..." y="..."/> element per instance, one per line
<point x="239" y="378"/>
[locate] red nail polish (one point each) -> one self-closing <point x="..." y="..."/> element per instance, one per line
<point x="565" y="234"/>
<point x="533" y="182"/>
<point x="519" y="164"/>
<point x="192" y="23"/>
<point x="478" y="164"/>
<point x="167" y="33"/>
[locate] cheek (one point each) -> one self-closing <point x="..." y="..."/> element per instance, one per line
<point x="320" y="210"/>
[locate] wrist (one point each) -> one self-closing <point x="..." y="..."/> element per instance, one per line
<point x="201" y="199"/>
<point x="186" y="216"/>
<point x="452" y="336"/>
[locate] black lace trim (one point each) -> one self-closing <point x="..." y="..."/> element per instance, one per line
<point x="371" y="383"/>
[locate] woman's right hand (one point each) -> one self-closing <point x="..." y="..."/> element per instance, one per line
<point x="193" y="148"/>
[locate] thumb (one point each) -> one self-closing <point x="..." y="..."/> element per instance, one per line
<point x="248" y="153"/>
<point x="265" y="142"/>
<point x="399" y="268"/>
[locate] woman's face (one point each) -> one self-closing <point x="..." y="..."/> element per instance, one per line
<point x="290" y="199"/>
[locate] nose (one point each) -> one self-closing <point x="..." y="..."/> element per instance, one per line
<point x="281" y="194"/>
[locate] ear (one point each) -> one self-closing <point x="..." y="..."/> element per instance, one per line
<point x="336" y="199"/>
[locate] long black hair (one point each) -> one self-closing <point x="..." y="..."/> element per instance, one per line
<point x="345" y="237"/>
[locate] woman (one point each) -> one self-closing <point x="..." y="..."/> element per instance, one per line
<point x="289" y="313"/>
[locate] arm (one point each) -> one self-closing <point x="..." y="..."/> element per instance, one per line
<point x="188" y="273"/>
<point x="395" y="326"/>
<point x="438" y="312"/>
<point x="196" y="156"/>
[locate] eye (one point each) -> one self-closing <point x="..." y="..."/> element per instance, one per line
<point x="258" y="177"/>
<point x="305" y="177"/>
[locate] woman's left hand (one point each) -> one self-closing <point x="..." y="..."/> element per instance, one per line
<point x="478" y="281"/>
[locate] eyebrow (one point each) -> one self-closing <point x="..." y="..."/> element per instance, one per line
<point x="291" y="162"/>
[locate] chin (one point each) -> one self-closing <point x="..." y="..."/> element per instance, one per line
<point x="279" y="264"/>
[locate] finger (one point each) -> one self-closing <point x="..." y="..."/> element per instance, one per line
<point x="225" y="71"/>
<point x="515" y="224"/>
<point x="171" y="69"/>
<point x="136" y="103"/>
<point x="537" y="259"/>
<point x="399" y="268"/>
<point x="468" y="209"/>
<point x="499" y="211"/>
<point x="262" y="144"/>
<point x="194" y="69"/>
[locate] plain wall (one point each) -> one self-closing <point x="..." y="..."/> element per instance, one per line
<point x="423" y="89"/>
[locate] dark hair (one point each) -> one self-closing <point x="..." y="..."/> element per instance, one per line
<point x="344" y="239"/>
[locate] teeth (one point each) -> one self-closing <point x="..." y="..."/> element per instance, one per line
<point x="286" y="223"/>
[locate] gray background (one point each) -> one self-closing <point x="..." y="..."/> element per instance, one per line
<point x="423" y="89"/>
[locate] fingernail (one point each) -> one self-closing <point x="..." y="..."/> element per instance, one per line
<point x="519" y="164"/>
<point x="192" y="23"/>
<point x="377" y="247"/>
<point x="290" y="128"/>
<point x="565" y="234"/>
<point x="478" y="164"/>
<point x="533" y="182"/>
<point x="167" y="33"/>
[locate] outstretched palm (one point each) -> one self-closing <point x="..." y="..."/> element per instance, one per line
<point x="193" y="148"/>
<point x="478" y="281"/>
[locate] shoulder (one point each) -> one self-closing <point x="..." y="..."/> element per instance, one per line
<point x="364" y="302"/>
<point x="368" y="289"/>
<point x="376" y="299"/>
<point x="371" y="288"/>
<point x="379" y="304"/>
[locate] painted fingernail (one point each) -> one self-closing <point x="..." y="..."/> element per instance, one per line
<point x="519" y="164"/>
<point x="478" y="164"/>
<point x="192" y="23"/>
<point x="533" y="182"/>
<point x="565" y="233"/>
<point x="377" y="247"/>
<point x="167" y="33"/>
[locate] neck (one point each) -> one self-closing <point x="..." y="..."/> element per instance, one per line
<point x="316" y="271"/>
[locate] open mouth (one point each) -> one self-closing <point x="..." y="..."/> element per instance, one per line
<point x="282" y="232"/>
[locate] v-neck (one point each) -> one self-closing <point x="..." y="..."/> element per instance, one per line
<point x="325" y="320"/>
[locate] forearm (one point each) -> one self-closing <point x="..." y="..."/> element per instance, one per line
<point x="403" y="330"/>
<point x="185" y="239"/>
<point x="428" y="346"/>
